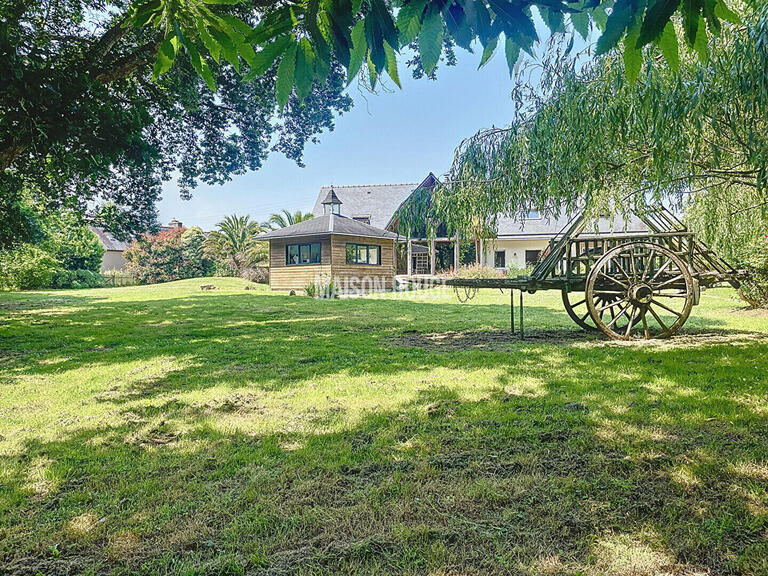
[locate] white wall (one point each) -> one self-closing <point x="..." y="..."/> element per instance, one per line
<point x="112" y="260"/>
<point x="514" y="251"/>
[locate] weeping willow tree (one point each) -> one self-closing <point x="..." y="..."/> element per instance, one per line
<point x="587" y="135"/>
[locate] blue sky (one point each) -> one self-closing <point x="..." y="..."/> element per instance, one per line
<point x="386" y="138"/>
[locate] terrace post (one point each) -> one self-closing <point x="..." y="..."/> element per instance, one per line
<point x="432" y="257"/>
<point x="456" y="253"/>
<point x="410" y="255"/>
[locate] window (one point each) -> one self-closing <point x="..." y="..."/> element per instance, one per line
<point x="533" y="215"/>
<point x="363" y="219"/>
<point x="302" y="254"/>
<point x="364" y="254"/>
<point x="532" y="257"/>
<point x="499" y="259"/>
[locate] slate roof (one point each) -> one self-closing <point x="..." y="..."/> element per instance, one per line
<point x="376" y="201"/>
<point x="108" y="241"/>
<point x="328" y="224"/>
<point x="380" y="201"/>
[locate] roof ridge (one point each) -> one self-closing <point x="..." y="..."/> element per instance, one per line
<point x="369" y="185"/>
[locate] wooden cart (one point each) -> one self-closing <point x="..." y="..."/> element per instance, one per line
<point x="629" y="286"/>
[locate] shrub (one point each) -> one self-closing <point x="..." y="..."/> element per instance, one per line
<point x="27" y="268"/>
<point x="258" y="274"/>
<point x="754" y="289"/>
<point x="477" y="271"/>
<point x="72" y="244"/>
<point x="77" y="279"/>
<point x="160" y="258"/>
<point x="322" y="287"/>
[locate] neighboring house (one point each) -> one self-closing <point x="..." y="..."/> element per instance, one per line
<point x="113" y="258"/>
<point x="518" y="242"/>
<point x="351" y="253"/>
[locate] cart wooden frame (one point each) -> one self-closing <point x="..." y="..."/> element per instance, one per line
<point x="628" y="286"/>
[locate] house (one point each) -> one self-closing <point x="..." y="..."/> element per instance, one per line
<point x="113" y="258"/>
<point x="331" y="247"/>
<point x="518" y="242"/>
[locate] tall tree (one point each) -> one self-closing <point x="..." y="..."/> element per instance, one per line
<point x="84" y="124"/>
<point x="286" y="218"/>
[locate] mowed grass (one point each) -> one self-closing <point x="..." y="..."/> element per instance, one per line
<point x="165" y="430"/>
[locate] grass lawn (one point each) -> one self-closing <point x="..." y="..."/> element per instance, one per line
<point x="164" y="430"/>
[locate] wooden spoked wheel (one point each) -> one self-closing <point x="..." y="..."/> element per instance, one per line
<point x="575" y="304"/>
<point x="646" y="290"/>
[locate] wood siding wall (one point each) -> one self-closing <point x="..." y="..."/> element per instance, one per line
<point x="333" y="264"/>
<point x="350" y="275"/>
<point x="284" y="277"/>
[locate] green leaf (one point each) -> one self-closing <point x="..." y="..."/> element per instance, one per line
<point x="724" y="13"/>
<point x="700" y="44"/>
<point x="633" y="56"/>
<point x="222" y="1"/>
<point x="431" y="39"/>
<point x="512" y="51"/>
<point x="285" y="72"/>
<point x="165" y="57"/>
<point x="200" y="66"/>
<point x="305" y="69"/>
<point x="488" y="51"/>
<point x="228" y="48"/>
<point x="392" y="64"/>
<point x="691" y="11"/>
<point x="238" y="25"/>
<point x="265" y="58"/>
<point x="580" y="21"/>
<point x="553" y="19"/>
<point x="668" y="45"/>
<point x="656" y="18"/>
<point x="359" y="50"/>
<point x="373" y="75"/>
<point x="409" y="21"/>
<point x="213" y="47"/>
<point x="620" y="18"/>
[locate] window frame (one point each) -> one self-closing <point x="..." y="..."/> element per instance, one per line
<point x="536" y="260"/>
<point x="357" y="246"/>
<point x="496" y="256"/>
<point x="299" y="245"/>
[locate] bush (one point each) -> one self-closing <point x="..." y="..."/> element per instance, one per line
<point x="754" y="289"/>
<point x="322" y="287"/>
<point x="77" y="279"/>
<point x="160" y="258"/>
<point x="72" y="244"/>
<point x="27" y="268"/>
<point x="477" y="271"/>
<point x="258" y="274"/>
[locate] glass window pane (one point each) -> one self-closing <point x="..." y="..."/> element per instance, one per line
<point x="314" y="253"/>
<point x="304" y="253"/>
<point x="351" y="254"/>
<point x="362" y="254"/>
<point x="293" y="254"/>
<point x="374" y="255"/>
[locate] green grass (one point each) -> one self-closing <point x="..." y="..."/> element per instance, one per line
<point x="164" y="430"/>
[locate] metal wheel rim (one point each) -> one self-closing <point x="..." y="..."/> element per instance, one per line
<point x="632" y="285"/>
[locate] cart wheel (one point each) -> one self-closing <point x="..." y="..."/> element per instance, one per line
<point x="575" y="304"/>
<point x="653" y="290"/>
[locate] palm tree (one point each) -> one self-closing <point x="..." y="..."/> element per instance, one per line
<point x="286" y="218"/>
<point x="235" y="243"/>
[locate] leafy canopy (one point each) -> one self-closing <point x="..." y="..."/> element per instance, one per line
<point x="85" y="126"/>
<point x="699" y="136"/>
<point x="306" y="36"/>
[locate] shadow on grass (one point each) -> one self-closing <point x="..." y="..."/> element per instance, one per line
<point x="612" y="459"/>
<point x="637" y="484"/>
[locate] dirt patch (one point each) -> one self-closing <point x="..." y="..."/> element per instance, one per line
<point x="486" y="340"/>
<point x="503" y="340"/>
<point x="232" y="404"/>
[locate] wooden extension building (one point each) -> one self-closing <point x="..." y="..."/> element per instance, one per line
<point x="355" y="256"/>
